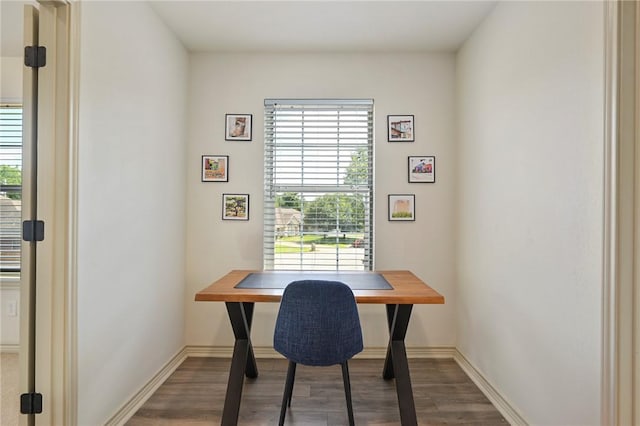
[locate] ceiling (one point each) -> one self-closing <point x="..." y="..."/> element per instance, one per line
<point x="300" y="25"/>
<point x="322" y="26"/>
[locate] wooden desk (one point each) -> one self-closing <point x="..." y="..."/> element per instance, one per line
<point x="407" y="291"/>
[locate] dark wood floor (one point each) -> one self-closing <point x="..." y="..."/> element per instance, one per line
<point x="194" y="394"/>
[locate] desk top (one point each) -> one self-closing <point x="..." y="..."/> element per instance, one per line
<point x="407" y="289"/>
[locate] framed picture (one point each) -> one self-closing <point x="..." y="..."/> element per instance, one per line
<point x="238" y="127"/>
<point x="235" y="206"/>
<point x="402" y="207"/>
<point x="422" y="169"/>
<point x="400" y="128"/>
<point x="215" y="168"/>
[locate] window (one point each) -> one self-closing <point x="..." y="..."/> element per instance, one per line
<point x="318" y="201"/>
<point x="10" y="188"/>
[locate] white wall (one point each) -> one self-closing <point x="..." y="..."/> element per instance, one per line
<point x="9" y="315"/>
<point x="419" y="84"/>
<point x="530" y="105"/>
<point x="131" y="212"/>
<point x="11" y="79"/>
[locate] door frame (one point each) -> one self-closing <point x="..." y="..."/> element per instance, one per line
<point x="57" y="307"/>
<point x="57" y="324"/>
<point x="54" y="324"/>
<point x="27" y="343"/>
<point x="621" y="257"/>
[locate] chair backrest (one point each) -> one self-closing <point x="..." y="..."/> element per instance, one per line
<point x="318" y="323"/>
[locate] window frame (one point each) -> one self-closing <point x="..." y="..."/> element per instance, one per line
<point x="353" y="136"/>
<point x="8" y="134"/>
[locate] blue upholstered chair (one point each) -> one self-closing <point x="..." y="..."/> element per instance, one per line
<point x="317" y="325"/>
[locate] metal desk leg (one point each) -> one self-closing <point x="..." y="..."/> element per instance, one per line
<point x="243" y="361"/>
<point x="396" y="363"/>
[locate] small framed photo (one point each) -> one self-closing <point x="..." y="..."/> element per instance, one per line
<point x="215" y="168"/>
<point x="238" y="127"/>
<point x="422" y="169"/>
<point x="235" y="206"/>
<point x="400" y="128"/>
<point x="402" y="207"/>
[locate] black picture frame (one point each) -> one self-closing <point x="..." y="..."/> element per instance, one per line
<point x="235" y="206"/>
<point x="214" y="168"/>
<point x="421" y="169"/>
<point x="402" y="207"/>
<point x="238" y="127"/>
<point x="401" y="128"/>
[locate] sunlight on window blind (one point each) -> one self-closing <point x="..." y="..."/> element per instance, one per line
<point x="318" y="185"/>
<point x="10" y="187"/>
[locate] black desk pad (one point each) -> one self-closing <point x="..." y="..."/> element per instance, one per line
<point x="355" y="280"/>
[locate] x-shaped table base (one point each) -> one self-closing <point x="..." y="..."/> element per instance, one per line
<point x="243" y="361"/>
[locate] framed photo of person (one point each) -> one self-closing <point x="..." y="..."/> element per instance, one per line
<point x="238" y="127"/>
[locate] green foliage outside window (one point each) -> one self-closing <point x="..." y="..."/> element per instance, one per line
<point x="11" y="175"/>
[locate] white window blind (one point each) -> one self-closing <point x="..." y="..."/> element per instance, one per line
<point x="10" y="187"/>
<point x="318" y="202"/>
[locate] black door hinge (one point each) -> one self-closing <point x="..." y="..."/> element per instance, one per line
<point x="31" y="403"/>
<point x="35" y="56"/>
<point x="33" y="230"/>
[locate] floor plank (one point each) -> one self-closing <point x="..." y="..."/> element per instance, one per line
<point x="9" y="389"/>
<point x="194" y="395"/>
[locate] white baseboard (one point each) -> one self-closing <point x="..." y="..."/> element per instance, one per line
<point x="430" y="352"/>
<point x="496" y="398"/>
<point x="130" y="408"/>
<point x="367" y="353"/>
<point x="11" y="349"/>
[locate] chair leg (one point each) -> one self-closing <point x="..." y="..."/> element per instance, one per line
<point x="347" y="391"/>
<point x="293" y="380"/>
<point x="288" y="391"/>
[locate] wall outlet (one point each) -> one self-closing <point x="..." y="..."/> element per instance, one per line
<point x="12" y="308"/>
